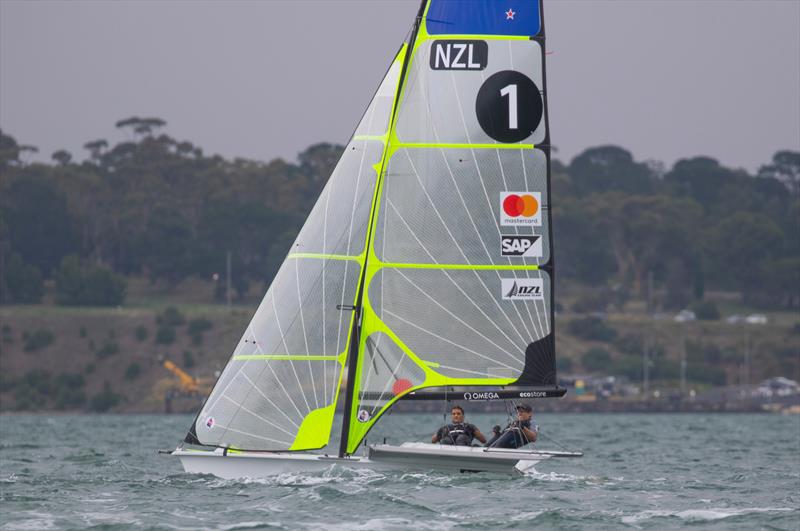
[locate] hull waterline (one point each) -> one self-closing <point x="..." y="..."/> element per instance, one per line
<point x="409" y="456"/>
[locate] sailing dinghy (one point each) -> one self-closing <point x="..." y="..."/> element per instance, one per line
<point x="424" y="270"/>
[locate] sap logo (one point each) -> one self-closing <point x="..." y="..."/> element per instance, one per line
<point x="527" y="246"/>
<point x="459" y="55"/>
<point x="523" y="288"/>
<point x="488" y="395"/>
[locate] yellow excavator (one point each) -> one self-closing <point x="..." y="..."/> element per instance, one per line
<point x="187" y="386"/>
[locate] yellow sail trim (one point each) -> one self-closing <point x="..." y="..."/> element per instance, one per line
<point x="315" y="430"/>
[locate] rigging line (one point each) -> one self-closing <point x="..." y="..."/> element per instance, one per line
<point x="441" y="220"/>
<point x="259" y="391"/>
<point x="525" y="303"/>
<point x="241" y="406"/>
<point x="324" y="251"/>
<point x="544" y="304"/>
<point x="303" y="326"/>
<point x="394" y="374"/>
<point x="283" y="340"/>
<point x="486" y="194"/>
<point x="436" y="136"/>
<point x="434" y="334"/>
<point x="449" y="277"/>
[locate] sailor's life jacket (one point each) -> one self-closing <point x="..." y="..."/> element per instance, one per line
<point x="460" y="434"/>
<point x="512" y="436"/>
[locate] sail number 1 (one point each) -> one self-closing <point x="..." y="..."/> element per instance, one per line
<point x="511" y="92"/>
<point x="509" y="106"/>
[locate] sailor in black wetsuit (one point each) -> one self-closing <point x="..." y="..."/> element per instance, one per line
<point x="518" y="433"/>
<point x="458" y="432"/>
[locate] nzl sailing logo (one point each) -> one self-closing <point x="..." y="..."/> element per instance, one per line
<point x="520" y="209"/>
<point x="459" y="55"/>
<point x="523" y="289"/>
<point x="526" y="246"/>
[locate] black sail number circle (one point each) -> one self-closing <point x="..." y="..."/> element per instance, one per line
<point x="509" y="106"/>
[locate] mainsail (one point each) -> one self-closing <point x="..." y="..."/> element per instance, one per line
<point x="427" y="261"/>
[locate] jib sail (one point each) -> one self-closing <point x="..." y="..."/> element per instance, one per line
<point x="280" y="387"/>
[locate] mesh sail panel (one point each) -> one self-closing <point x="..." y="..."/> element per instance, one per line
<point x="386" y="372"/>
<point x="463" y="321"/>
<point x="279" y="389"/>
<point x="444" y="206"/>
<point x="438" y="106"/>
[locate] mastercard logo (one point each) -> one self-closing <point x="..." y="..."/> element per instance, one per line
<point x="524" y="205"/>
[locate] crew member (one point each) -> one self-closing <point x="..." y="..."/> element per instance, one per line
<point x="518" y="433"/>
<point x="458" y="432"/>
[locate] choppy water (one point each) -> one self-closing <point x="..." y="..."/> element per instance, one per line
<point x="640" y="472"/>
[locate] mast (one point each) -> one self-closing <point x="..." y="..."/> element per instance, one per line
<point x="355" y="332"/>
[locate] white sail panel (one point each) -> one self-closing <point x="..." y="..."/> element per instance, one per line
<point x="376" y="120"/>
<point x="276" y="377"/>
<point x="461" y="319"/>
<point x="444" y="206"/>
<point x="338" y="222"/>
<point x="439" y="106"/>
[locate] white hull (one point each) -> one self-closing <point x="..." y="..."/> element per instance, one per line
<point x="409" y="456"/>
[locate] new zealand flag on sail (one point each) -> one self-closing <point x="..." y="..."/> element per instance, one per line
<point x="484" y="17"/>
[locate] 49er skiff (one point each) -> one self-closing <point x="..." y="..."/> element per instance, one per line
<point x="424" y="269"/>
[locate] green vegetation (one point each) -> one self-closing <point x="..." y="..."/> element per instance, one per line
<point x="37" y="387"/>
<point x="109" y="348"/>
<point x="596" y="360"/>
<point x="171" y="316"/>
<point x="156" y="215"/>
<point x="105" y="400"/>
<point x="165" y="335"/>
<point x="78" y="285"/>
<point x="7" y="336"/>
<point x="188" y="360"/>
<point x="133" y="371"/>
<point x="591" y="328"/>
<point x="196" y="328"/>
<point x="37" y="340"/>
<point x="140" y="333"/>
<point x="24" y="281"/>
<point x="706" y="310"/>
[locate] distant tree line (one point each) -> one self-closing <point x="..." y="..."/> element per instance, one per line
<point x="152" y="205"/>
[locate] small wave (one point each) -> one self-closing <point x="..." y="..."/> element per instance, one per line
<point x="700" y="515"/>
<point x="384" y="524"/>
<point x="562" y="477"/>
<point x="19" y="446"/>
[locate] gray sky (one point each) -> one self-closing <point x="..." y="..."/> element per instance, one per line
<point x="260" y="79"/>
